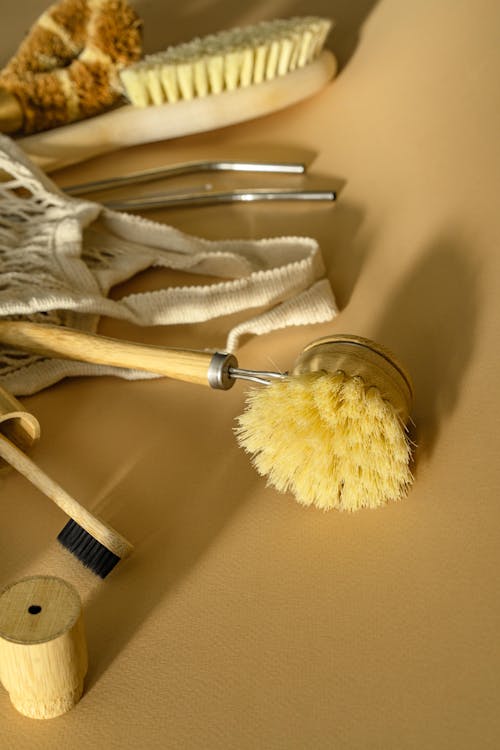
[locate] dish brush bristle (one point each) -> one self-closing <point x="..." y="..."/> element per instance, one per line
<point x="225" y="61"/>
<point x="330" y="439"/>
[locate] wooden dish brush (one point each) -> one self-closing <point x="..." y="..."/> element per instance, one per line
<point x="333" y="432"/>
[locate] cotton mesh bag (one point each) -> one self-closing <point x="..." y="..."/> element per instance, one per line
<point x="60" y="256"/>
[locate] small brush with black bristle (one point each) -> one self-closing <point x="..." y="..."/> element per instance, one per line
<point x="95" y="544"/>
<point x="86" y="548"/>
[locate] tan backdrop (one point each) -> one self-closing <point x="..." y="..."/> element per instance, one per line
<point x="243" y="621"/>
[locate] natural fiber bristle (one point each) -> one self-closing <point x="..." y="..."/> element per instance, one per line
<point x="330" y="439"/>
<point x="66" y="68"/>
<point x="225" y="61"/>
<point x="91" y="553"/>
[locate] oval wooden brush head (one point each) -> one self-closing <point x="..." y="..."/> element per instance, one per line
<point x="360" y="357"/>
<point x="334" y="432"/>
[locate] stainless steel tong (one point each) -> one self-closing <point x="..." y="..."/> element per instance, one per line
<point x="203" y="195"/>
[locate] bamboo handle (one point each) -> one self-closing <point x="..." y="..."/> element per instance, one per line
<point x="43" y="650"/>
<point x="55" y="341"/>
<point x="94" y="526"/>
<point x="16" y="423"/>
<point x="130" y="125"/>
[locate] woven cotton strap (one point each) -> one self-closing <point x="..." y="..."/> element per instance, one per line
<point x="60" y="257"/>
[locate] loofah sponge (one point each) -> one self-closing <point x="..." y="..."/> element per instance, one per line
<point x="67" y="67"/>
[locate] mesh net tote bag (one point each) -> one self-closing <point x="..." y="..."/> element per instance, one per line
<point x="60" y="256"/>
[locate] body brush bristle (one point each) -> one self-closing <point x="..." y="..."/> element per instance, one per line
<point x="333" y="439"/>
<point x="225" y="61"/>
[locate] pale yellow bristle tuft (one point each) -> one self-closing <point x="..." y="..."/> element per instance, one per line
<point x="225" y="61"/>
<point x="329" y="439"/>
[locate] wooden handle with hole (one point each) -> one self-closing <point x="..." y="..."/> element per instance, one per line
<point x="43" y="650"/>
<point x="34" y="474"/>
<point x="55" y="341"/>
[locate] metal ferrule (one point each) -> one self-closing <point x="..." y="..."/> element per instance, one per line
<point x="218" y="374"/>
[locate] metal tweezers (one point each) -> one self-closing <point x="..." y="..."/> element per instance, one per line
<point x="203" y="195"/>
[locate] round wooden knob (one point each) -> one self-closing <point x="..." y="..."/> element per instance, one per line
<point x="43" y="652"/>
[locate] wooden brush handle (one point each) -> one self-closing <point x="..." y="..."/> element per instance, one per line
<point x="54" y="341"/>
<point x="16" y="423"/>
<point x="130" y="126"/>
<point x="34" y="474"/>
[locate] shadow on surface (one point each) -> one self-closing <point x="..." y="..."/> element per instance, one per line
<point x="172" y="518"/>
<point x="430" y="323"/>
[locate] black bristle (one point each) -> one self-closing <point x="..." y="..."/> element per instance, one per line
<point x="91" y="553"/>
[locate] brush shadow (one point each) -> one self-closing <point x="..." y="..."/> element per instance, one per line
<point x="20" y="540"/>
<point x="430" y="323"/>
<point x="201" y="17"/>
<point x="173" y="528"/>
<point x="344" y="248"/>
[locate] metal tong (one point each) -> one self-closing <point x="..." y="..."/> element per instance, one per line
<point x="204" y="195"/>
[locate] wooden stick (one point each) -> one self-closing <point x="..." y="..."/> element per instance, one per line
<point x="56" y="341"/>
<point x="104" y="534"/>
<point x="43" y="651"/>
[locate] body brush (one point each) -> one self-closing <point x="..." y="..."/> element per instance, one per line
<point x="333" y="431"/>
<point x="207" y="83"/>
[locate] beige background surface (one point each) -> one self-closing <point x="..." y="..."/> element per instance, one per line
<point x="243" y="621"/>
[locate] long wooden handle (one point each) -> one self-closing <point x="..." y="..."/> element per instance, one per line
<point x="34" y="474"/>
<point x="55" y="341"/>
<point x="130" y="126"/>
